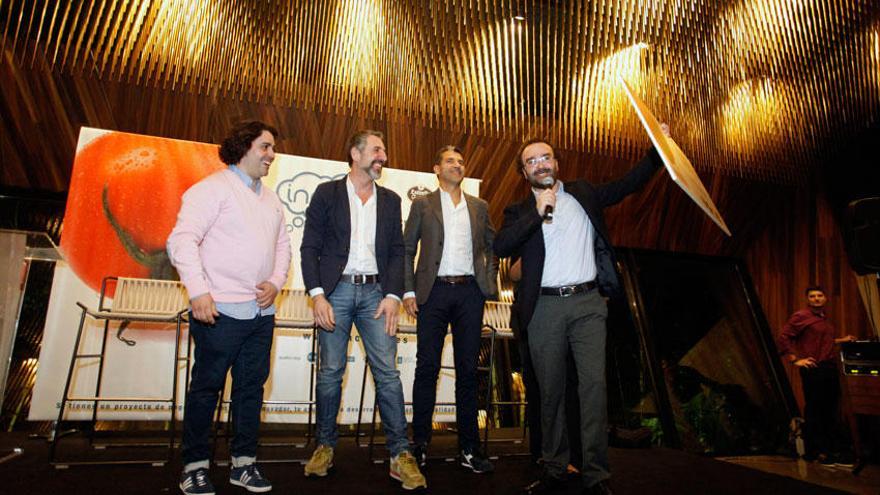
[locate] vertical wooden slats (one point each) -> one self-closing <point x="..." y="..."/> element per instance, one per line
<point x="749" y="86"/>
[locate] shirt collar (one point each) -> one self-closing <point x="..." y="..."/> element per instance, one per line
<point x="251" y="183"/>
<point x="349" y="186"/>
<point x="447" y="198"/>
<point x="820" y="312"/>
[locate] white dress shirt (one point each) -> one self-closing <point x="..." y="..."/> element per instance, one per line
<point x="458" y="248"/>
<point x="569" y="258"/>
<point x="457" y="258"/>
<point x="362" y="244"/>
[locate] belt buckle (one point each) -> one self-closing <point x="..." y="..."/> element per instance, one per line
<point x="567" y="290"/>
<point x="359" y="279"/>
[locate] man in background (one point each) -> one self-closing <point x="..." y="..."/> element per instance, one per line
<point x="808" y="341"/>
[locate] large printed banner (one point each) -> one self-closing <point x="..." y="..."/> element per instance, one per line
<point x="124" y="196"/>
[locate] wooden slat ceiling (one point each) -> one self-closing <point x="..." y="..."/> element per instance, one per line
<point x="751" y="88"/>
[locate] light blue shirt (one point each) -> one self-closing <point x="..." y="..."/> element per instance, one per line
<point x="252" y="184"/>
<point x="247" y="310"/>
<point x="569" y="257"/>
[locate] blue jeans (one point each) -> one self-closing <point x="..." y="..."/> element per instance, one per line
<point x="244" y="345"/>
<point x="357" y="304"/>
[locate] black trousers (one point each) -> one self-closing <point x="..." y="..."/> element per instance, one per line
<point x="461" y="307"/>
<point x="821" y="387"/>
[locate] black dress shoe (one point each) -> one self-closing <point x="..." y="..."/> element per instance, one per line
<point x="545" y="484"/>
<point x="600" y="488"/>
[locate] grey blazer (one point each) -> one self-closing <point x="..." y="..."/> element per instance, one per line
<point x="425" y="223"/>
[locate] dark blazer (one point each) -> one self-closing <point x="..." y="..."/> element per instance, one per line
<point x="327" y="236"/>
<point x="425" y="222"/>
<point x="521" y="234"/>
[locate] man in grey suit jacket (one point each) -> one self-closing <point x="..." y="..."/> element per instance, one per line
<point x="455" y="274"/>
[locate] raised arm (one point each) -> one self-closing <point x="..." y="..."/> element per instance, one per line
<point x="614" y="192"/>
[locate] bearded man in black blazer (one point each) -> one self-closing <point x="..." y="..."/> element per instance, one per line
<point x="454" y="277"/>
<point x="352" y="265"/>
<point x="567" y="268"/>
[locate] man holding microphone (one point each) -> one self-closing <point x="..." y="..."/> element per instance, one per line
<point x="559" y="233"/>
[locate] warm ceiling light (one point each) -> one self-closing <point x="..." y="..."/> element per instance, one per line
<point x="484" y="68"/>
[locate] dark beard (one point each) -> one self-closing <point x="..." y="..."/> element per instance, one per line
<point x="538" y="184"/>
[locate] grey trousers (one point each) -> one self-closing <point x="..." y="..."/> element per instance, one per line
<point x="578" y="322"/>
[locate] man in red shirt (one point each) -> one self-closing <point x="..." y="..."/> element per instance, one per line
<point x="807" y="341"/>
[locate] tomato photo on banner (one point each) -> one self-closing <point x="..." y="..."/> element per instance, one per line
<point x="125" y="192"/>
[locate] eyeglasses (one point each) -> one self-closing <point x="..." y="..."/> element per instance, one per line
<point x="537" y="160"/>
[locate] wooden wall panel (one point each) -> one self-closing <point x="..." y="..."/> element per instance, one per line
<point x="801" y="246"/>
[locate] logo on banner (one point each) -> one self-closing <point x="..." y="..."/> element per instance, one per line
<point x="296" y="194"/>
<point x="418" y="192"/>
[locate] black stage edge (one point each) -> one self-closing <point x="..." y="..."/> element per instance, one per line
<point x="636" y="472"/>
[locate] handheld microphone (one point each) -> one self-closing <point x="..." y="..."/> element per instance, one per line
<point x="547" y="183"/>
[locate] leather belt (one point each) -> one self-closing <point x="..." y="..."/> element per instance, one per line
<point x="568" y="290"/>
<point x="455" y="279"/>
<point x="360" y="279"/>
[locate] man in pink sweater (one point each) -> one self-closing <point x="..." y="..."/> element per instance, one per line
<point x="231" y="249"/>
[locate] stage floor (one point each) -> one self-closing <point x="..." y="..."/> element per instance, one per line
<point x="635" y="471"/>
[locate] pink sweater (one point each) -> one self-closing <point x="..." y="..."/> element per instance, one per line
<point x="229" y="239"/>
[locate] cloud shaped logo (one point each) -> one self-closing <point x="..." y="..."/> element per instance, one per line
<point x="296" y="193"/>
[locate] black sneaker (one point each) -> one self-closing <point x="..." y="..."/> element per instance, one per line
<point x="474" y="460"/>
<point x="420" y="452"/>
<point x="250" y="478"/>
<point x="196" y="482"/>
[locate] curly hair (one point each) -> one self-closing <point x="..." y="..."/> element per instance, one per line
<point x="239" y="140"/>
